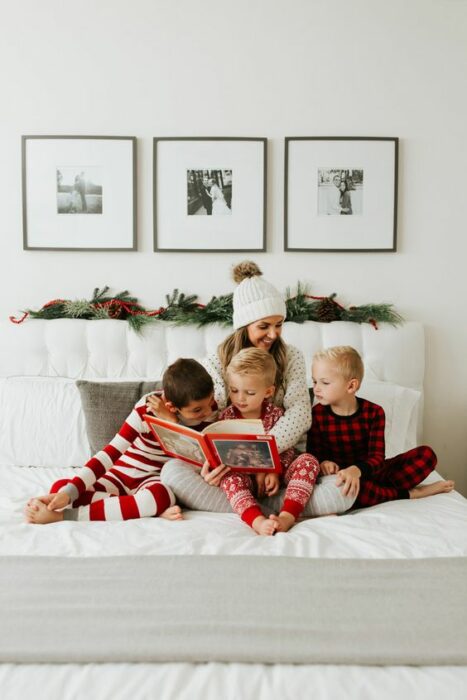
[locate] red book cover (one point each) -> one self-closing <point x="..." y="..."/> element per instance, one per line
<point x="239" y="444"/>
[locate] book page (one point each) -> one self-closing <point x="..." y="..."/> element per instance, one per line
<point x="236" y="426"/>
<point x="177" y="440"/>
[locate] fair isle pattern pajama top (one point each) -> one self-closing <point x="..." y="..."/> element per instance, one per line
<point x="299" y="474"/>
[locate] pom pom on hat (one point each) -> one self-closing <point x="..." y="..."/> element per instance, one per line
<point x="254" y="298"/>
<point x="244" y="270"/>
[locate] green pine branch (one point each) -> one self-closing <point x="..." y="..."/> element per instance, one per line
<point x="184" y="309"/>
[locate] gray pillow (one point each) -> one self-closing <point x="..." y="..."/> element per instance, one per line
<point x="107" y="404"/>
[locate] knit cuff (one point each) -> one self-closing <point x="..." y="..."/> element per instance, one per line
<point x="365" y="469"/>
<point x="292" y="507"/>
<point x="250" y="514"/>
<point x="71" y="491"/>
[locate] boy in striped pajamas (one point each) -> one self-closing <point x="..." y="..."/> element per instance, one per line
<point x="347" y="437"/>
<point x="122" y="481"/>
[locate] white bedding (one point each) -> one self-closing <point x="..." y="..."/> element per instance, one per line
<point x="216" y="681"/>
<point x="430" y="527"/>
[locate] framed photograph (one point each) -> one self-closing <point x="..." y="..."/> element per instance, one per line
<point x="340" y="194"/>
<point x="209" y="194"/>
<point x="79" y="192"/>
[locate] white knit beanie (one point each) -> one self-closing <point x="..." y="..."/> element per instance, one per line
<point x="254" y="298"/>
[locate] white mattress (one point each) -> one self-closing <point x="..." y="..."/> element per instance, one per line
<point x="431" y="527"/>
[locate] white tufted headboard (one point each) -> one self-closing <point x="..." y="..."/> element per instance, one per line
<point x="110" y="349"/>
<point x="40" y="360"/>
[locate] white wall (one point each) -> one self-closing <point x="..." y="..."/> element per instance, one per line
<point x="257" y="68"/>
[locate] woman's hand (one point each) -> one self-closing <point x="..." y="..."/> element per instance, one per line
<point x="328" y="467"/>
<point x="272" y="484"/>
<point x="214" y="476"/>
<point x="350" y="478"/>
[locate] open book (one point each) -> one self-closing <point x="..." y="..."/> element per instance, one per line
<point x="239" y="444"/>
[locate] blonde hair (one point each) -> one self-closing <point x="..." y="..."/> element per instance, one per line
<point x="253" y="361"/>
<point x="239" y="340"/>
<point x="346" y="360"/>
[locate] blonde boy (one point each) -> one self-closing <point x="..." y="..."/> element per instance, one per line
<point x="347" y="437"/>
<point x="251" y="377"/>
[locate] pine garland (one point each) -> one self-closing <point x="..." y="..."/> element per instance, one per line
<point x="185" y="310"/>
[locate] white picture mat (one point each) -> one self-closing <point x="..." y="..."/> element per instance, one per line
<point x="243" y="229"/>
<point x="46" y="228"/>
<point x="374" y="228"/>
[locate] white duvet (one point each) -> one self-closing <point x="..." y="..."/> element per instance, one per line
<point x="431" y="527"/>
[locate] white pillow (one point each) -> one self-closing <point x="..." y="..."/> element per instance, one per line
<point x="401" y="406"/>
<point x="42" y="423"/>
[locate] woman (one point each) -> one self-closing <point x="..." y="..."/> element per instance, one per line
<point x="258" y="317"/>
<point x="259" y="312"/>
<point x="345" y="200"/>
<point x="219" y="205"/>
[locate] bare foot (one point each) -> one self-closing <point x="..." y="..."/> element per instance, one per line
<point x="264" y="526"/>
<point x="37" y="513"/>
<point x="431" y="489"/>
<point x="172" y="513"/>
<point x="284" y="521"/>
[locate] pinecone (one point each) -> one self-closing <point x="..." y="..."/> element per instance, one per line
<point x="328" y="310"/>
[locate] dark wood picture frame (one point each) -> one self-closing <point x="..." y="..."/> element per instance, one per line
<point x="390" y="238"/>
<point x="132" y="234"/>
<point x="260" y="239"/>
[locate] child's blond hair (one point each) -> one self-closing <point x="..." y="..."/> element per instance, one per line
<point x="254" y="361"/>
<point x="346" y="360"/>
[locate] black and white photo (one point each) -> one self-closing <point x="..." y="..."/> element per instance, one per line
<point x="209" y="192"/>
<point x="340" y="191"/>
<point x="78" y="190"/>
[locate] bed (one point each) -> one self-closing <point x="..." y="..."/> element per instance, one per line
<point x="44" y="436"/>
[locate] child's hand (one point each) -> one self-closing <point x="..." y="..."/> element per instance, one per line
<point x="328" y="467"/>
<point x="53" y="501"/>
<point x="260" y="484"/>
<point x="214" y="476"/>
<point x="350" y="478"/>
<point x="272" y="484"/>
<point x="156" y="405"/>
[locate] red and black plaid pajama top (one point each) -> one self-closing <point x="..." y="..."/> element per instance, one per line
<point x="359" y="440"/>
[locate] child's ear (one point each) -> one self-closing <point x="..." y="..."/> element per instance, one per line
<point x="270" y="391"/>
<point x="353" y="386"/>
<point x="169" y="405"/>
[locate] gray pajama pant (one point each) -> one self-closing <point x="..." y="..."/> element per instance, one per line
<point x="194" y="493"/>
